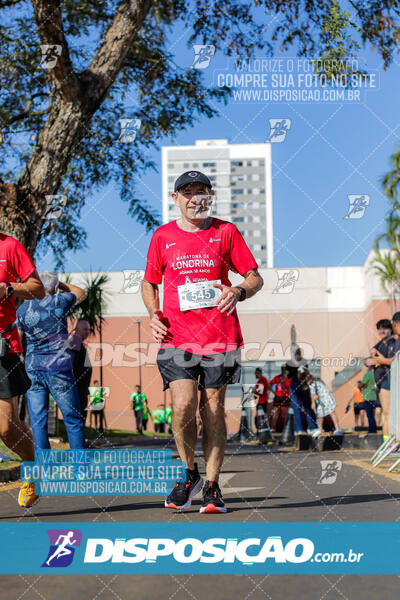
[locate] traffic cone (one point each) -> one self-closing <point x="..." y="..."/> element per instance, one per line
<point x="288" y="430"/>
<point x="263" y="430"/>
<point x="244" y="434"/>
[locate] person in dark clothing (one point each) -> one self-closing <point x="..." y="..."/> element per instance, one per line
<point x="81" y="365"/>
<point x="300" y="396"/>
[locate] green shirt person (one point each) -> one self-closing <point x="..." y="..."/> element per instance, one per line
<point x="139" y="401"/>
<point x="168" y="412"/>
<point x="159" y="417"/>
<point x="96" y="398"/>
<point x="369" y="397"/>
<point x="368" y="393"/>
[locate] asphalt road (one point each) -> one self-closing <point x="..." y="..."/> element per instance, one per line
<point x="259" y="486"/>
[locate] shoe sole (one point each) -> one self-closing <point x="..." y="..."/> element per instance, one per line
<point x="197" y="488"/>
<point x="211" y="509"/>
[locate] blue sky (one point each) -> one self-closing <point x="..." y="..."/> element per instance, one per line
<point x="330" y="151"/>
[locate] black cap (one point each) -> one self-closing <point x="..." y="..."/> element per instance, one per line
<point x="191" y="177"/>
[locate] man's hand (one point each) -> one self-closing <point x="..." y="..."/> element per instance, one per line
<point x="228" y="299"/>
<point x="158" y="329"/>
<point x="3" y="290"/>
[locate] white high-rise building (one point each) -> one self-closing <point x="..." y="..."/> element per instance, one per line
<point x="242" y="180"/>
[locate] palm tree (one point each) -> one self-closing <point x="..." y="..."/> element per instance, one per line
<point x="92" y="310"/>
<point x="387" y="267"/>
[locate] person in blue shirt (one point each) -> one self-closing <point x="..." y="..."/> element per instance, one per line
<point x="48" y="360"/>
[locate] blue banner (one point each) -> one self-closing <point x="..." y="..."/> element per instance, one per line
<point x="209" y="547"/>
<point x="104" y="472"/>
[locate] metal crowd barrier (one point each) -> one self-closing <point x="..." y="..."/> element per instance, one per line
<point x="391" y="445"/>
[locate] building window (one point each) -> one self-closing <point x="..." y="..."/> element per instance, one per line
<point x="263" y="247"/>
<point x="237" y="191"/>
<point x="195" y="164"/>
<point x="209" y="164"/>
<point x="255" y="177"/>
<point x="237" y="163"/>
<point x="171" y="166"/>
<point x="239" y="219"/>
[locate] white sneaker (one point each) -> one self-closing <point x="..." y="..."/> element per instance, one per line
<point x="338" y="432"/>
<point x="315" y="433"/>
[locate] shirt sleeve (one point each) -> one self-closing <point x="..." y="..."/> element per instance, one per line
<point x="20" y="261"/>
<point x="241" y="258"/>
<point x="154" y="265"/>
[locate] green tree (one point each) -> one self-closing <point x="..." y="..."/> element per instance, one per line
<point x="386" y="265"/>
<point x="60" y="124"/>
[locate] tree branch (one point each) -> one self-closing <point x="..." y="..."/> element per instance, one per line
<point x="51" y="32"/>
<point x="110" y="56"/>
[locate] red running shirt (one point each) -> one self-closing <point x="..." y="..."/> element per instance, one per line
<point x="179" y="257"/>
<point x="261" y="390"/>
<point x="282" y="389"/>
<point x="15" y="264"/>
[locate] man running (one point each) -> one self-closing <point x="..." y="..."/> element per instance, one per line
<point x="18" y="278"/>
<point x="198" y="327"/>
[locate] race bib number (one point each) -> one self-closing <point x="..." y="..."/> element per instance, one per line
<point x="198" y="295"/>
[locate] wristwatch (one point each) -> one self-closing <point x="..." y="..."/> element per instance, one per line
<point x="10" y="289"/>
<point x="242" y="293"/>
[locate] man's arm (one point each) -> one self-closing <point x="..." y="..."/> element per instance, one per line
<point x="80" y="294"/>
<point x="230" y="296"/>
<point x="151" y="300"/>
<point x="29" y="289"/>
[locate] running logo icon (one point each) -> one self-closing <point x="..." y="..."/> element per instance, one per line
<point x="202" y="56"/>
<point x="278" y="130"/>
<point x="330" y="471"/>
<point x="54" y="206"/>
<point x="357" y="206"/>
<point x="286" y="281"/>
<point x="129" y="129"/>
<point x="63" y="543"/>
<point x="50" y="54"/>
<point x="132" y="281"/>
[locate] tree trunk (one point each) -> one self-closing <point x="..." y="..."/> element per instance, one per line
<point x="23" y="205"/>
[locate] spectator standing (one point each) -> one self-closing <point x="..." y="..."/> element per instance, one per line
<point x="48" y="359"/>
<point x="146" y="415"/>
<point x="138" y="403"/>
<point x="96" y="404"/>
<point x="382" y="372"/>
<point x="358" y="405"/>
<point x="325" y="403"/>
<point x="369" y="396"/>
<point x="168" y="412"/>
<point x="260" y="390"/>
<point x="81" y="364"/>
<point x="281" y="387"/>
<point x="300" y="397"/>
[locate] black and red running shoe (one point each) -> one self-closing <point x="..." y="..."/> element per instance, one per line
<point x="212" y="499"/>
<point x="183" y="492"/>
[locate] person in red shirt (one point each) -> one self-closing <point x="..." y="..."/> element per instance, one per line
<point x="18" y="278"/>
<point x="198" y="327"/>
<point x="281" y="385"/>
<point x="260" y="391"/>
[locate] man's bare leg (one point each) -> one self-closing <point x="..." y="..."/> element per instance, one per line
<point x="15" y="433"/>
<point x="212" y="411"/>
<point x="184" y="425"/>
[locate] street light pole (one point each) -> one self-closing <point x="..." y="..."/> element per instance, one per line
<point x="140" y="356"/>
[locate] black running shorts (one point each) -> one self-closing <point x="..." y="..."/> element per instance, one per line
<point x="13" y="378"/>
<point x="209" y="370"/>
